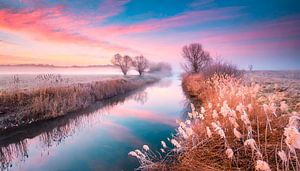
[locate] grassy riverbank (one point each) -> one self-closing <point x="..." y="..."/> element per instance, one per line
<point x="235" y="124"/>
<point x="244" y="125"/>
<point x="23" y="106"/>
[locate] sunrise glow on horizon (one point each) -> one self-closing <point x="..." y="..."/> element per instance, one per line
<point x="265" y="34"/>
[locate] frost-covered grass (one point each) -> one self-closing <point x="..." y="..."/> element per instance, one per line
<point x="29" y="81"/>
<point x="230" y="127"/>
<point x="283" y="83"/>
<point x="20" y="106"/>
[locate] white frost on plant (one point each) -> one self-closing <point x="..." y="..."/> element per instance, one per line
<point x="218" y="130"/>
<point x="133" y="154"/>
<point x="203" y="110"/>
<point x="140" y="154"/>
<point x="146" y="147"/>
<point x="292" y="137"/>
<point x="215" y="114"/>
<point x="245" y="118"/>
<point x="229" y="153"/>
<point x="175" y="143"/>
<point x="208" y="132"/>
<point x="182" y="133"/>
<point x="189" y="131"/>
<point x="163" y="144"/>
<point x="240" y="108"/>
<point x="209" y="105"/>
<point x="251" y="143"/>
<point x="284" y="107"/>
<point x="282" y="156"/>
<point x="262" y="166"/>
<point x="237" y="134"/>
<point x="188" y="122"/>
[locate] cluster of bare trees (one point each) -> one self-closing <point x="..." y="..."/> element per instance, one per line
<point x="139" y="63"/>
<point x="197" y="60"/>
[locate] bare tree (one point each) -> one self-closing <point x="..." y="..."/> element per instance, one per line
<point x="140" y="63"/>
<point x="250" y="68"/>
<point x="124" y="62"/>
<point x="196" y="58"/>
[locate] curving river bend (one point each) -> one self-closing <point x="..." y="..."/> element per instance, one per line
<point x="100" y="137"/>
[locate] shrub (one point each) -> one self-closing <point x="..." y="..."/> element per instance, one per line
<point x="222" y="68"/>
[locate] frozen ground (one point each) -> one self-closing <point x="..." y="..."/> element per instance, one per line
<point x="283" y="83"/>
<point x="25" y="81"/>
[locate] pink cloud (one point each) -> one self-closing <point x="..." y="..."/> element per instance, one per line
<point x="121" y="133"/>
<point x="145" y="115"/>
<point x="51" y="24"/>
<point x="54" y="24"/>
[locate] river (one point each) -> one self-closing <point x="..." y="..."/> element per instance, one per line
<point x="99" y="137"/>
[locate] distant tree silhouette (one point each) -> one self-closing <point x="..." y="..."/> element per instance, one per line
<point x="160" y="67"/>
<point x="124" y="62"/>
<point x="140" y="63"/>
<point x="196" y="59"/>
<point x="250" y="68"/>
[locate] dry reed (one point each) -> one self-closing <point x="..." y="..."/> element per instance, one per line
<point x="230" y="129"/>
<point x="21" y="107"/>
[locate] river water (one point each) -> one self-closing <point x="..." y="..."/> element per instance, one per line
<point x="99" y="137"/>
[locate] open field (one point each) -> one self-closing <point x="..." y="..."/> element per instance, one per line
<point x="283" y="83"/>
<point x="27" y="77"/>
<point x="10" y="82"/>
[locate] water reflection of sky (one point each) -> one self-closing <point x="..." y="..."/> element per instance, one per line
<point x="101" y="140"/>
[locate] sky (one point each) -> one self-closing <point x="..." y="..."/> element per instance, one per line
<point x="265" y="34"/>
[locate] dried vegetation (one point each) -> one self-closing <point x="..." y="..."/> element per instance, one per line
<point x="23" y="106"/>
<point x="233" y="125"/>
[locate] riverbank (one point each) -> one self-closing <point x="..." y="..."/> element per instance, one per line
<point x="234" y="124"/>
<point x="245" y="123"/>
<point x="21" y="107"/>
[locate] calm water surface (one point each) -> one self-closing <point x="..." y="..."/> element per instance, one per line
<point x="100" y="137"/>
